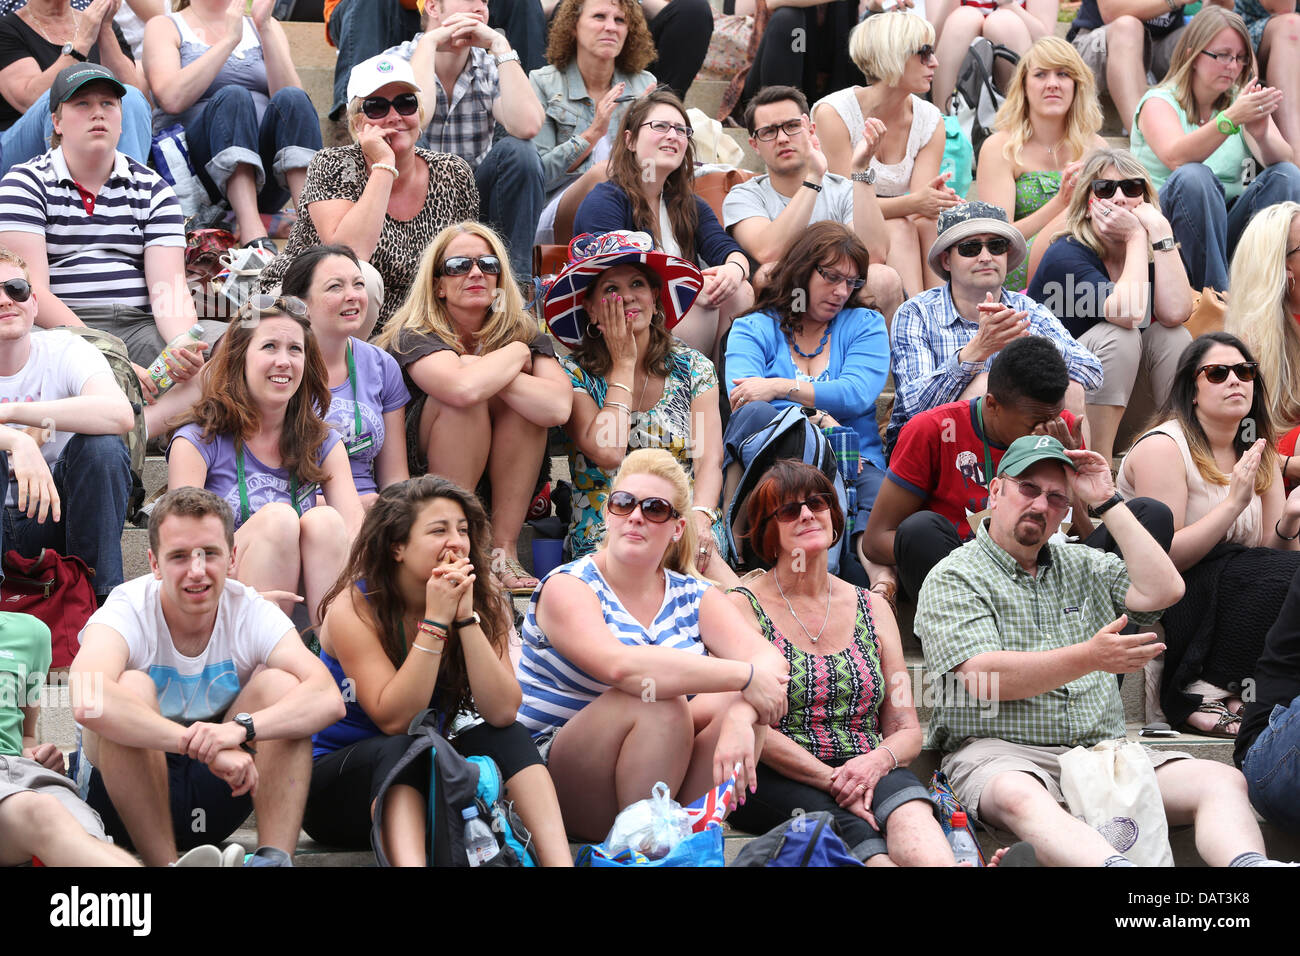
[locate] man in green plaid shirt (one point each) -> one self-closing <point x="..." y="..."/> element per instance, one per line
<point x="1032" y="630"/>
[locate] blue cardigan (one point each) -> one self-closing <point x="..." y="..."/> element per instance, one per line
<point x="859" y="347"/>
<point x="608" y="209"/>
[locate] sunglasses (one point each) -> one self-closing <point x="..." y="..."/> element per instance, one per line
<point x="663" y="126"/>
<point x="656" y="510"/>
<point x="790" y="127"/>
<point x="1031" y="491"/>
<point x="1132" y="188"/>
<point x="1218" y="374"/>
<point x="926" y="51"/>
<point x="791" y="510"/>
<point x="834" y="278"/>
<point x="970" y="248"/>
<point x="18" y="290"/>
<point x="288" y="304"/>
<point x="376" y="107"/>
<point x="460" y="265"/>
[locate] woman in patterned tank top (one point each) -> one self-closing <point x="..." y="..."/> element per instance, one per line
<point x="850" y="729"/>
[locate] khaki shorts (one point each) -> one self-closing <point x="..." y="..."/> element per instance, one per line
<point x="1156" y="56"/>
<point x="20" y="775"/>
<point x="980" y="759"/>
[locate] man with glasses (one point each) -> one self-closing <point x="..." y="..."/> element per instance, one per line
<point x="767" y="213"/>
<point x="1035" y="628"/>
<point x="478" y="82"/>
<point x="942" y="341"/>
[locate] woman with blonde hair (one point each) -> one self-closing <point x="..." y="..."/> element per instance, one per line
<point x="1049" y="121"/>
<point x="1199" y="135"/>
<point x="635" y="671"/>
<point x="895" y="52"/>
<point x="485" y="380"/>
<point x="1114" y="279"/>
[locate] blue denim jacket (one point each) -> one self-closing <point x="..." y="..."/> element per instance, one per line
<point x="569" y="111"/>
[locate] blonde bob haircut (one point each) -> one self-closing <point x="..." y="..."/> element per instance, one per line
<point x="1082" y="122"/>
<point x="1077" y="222"/>
<point x="679" y="556"/>
<point x="1261" y="318"/>
<point x="880" y="46"/>
<point x="425" y="311"/>
<point x="1195" y="38"/>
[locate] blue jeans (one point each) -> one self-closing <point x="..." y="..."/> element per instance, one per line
<point x="227" y="134"/>
<point x="93" y="478"/>
<point x="1272" y="768"/>
<point x="30" y="136"/>
<point x="511" y="196"/>
<point x="1207" y="227"/>
<point x="362" y="29"/>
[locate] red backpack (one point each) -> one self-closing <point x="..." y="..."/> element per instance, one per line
<point x="55" y="589"/>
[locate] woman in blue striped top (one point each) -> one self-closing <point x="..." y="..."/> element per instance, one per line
<point x="636" y="670"/>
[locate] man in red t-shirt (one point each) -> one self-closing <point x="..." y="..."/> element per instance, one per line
<point x="936" y="475"/>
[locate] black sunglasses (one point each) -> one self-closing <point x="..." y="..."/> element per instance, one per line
<point x="926" y="51"/>
<point x="1218" y="374"/>
<point x="376" y="107"/>
<point x="1132" y="188"/>
<point x="970" y="248"/>
<point x="460" y="265"/>
<point x="791" y="510"/>
<point x="18" y="290"/>
<point x="656" y="510"/>
<point x="1031" y="491"/>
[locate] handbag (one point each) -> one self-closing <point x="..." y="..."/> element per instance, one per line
<point x="1209" y="310"/>
<point x="729" y="46"/>
<point x="54" y="588"/>
<point x="1113" y="789"/>
<point x="171" y="158"/>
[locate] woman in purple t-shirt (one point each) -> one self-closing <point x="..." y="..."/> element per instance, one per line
<point x="255" y="439"/>
<point x="368" y="397"/>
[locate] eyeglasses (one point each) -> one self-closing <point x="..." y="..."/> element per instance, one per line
<point x="1031" y="491"/>
<point x="926" y="51"/>
<point x="970" y="248"/>
<point x="460" y="265"/>
<point x="376" y="107"/>
<point x="791" y="510"/>
<point x="1218" y="374"/>
<point x="18" y="290"/>
<point x="791" y="128"/>
<point x="288" y="304"/>
<point x="834" y="278"/>
<point x="1132" y="188"/>
<point x="663" y="126"/>
<point x="655" y="510"/>
<point x="1233" y="58"/>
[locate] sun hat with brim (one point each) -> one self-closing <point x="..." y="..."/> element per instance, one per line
<point x="1024" y="453"/>
<point x="563" y="303"/>
<point x="961" y="222"/>
<point x="378" y="71"/>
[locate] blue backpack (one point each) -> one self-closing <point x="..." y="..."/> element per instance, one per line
<point x="811" y="839"/>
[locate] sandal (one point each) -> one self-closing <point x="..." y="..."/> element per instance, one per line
<point x="513" y="577"/>
<point x="1226" y="719"/>
<point x="889" y="591"/>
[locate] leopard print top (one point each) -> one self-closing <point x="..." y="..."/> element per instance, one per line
<point x="340" y="173"/>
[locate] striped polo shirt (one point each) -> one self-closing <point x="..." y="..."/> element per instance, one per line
<point x="555" y="689"/>
<point x="95" y="258"/>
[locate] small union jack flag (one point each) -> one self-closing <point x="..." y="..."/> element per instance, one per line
<point x="712" y="808"/>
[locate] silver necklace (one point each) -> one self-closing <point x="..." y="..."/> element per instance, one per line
<point x="812" y="637"/>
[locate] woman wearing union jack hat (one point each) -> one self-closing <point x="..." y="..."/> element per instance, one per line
<point x="635" y="386"/>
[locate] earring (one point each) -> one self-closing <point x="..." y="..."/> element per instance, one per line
<point x="593" y="330"/>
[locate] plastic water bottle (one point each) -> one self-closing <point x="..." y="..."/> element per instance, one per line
<point x="963" y="845"/>
<point x="158" y="371"/>
<point x="480" y="844"/>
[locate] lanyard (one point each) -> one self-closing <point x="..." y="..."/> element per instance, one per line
<point x="243" y="489"/>
<point x="988" y="454"/>
<point x="356" y="405"/>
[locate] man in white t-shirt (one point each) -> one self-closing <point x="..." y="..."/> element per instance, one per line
<point x="767" y="213"/>
<point x="199" y="698"/>
<point x="67" y="469"/>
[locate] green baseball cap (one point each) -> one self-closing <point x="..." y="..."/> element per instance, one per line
<point x="1025" y="452"/>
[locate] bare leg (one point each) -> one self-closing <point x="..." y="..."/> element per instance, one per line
<point x="1105" y="421"/>
<point x="1076" y="404"/>
<point x="267" y="556"/>
<point x="1018" y="802"/>
<point x="323" y="535"/>
<point x="38" y="825"/>
<point x="1003" y="26"/>
<point x="1126" y="75"/>
<point x="241" y="192"/>
<point x="1213" y="796"/>
<point x="1279" y="49"/>
<point x="926" y="233"/>
<point x="884" y="290"/>
<point x="534" y="795"/>
<point x="961" y="27"/>
<point x="404" y="829"/>
<point x="978" y="386"/>
<point x="456" y="441"/>
<point x="294" y="179"/>
<point x="514" y="463"/>
<point x="938" y="13"/>
<point x="905" y="254"/>
<point x="136" y="781"/>
<point x="708" y="712"/>
<point x="915" y="838"/>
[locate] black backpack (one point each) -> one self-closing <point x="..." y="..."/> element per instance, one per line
<point x="975" y="101"/>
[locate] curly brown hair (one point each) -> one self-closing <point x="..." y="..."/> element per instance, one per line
<point x="824" y="242"/>
<point x="638" y="48"/>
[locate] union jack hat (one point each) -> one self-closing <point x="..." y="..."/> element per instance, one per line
<point x="591" y="255"/>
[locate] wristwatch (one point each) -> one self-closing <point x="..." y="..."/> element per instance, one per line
<point x="868" y="177"/>
<point x="505" y="58"/>
<point x="70" y="50"/>
<point x="1101" y="509"/>
<point x="470" y="621"/>
<point x="713" y="514"/>
<point x="1164" y="245"/>
<point x="246" y="721"/>
<point x="1226" y="126"/>
<point x="815" y="187"/>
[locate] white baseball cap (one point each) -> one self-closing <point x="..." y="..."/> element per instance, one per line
<point x="369" y="75"/>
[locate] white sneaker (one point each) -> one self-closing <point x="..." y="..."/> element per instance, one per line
<point x="206" y="855"/>
<point x="233" y="855"/>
